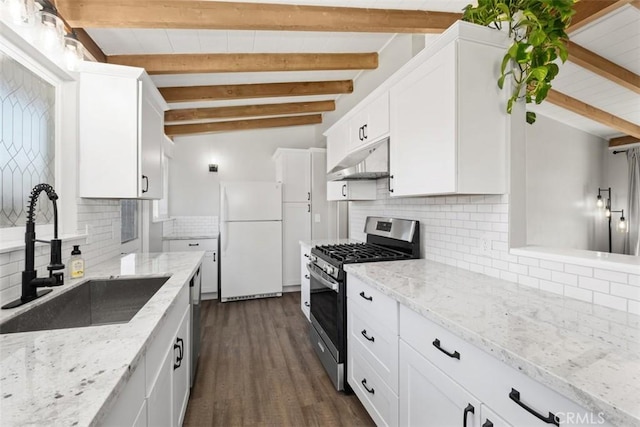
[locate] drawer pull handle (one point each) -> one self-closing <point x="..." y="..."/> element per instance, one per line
<point x="306" y="255"/>
<point x="454" y="355"/>
<point x="362" y="294"/>
<point x="549" y="419"/>
<point x="487" y="423"/>
<point x="364" y="334"/>
<point x="306" y="276"/>
<point x="194" y="244"/>
<point x="364" y="384"/>
<point x="468" y="409"/>
<point x="307" y="304"/>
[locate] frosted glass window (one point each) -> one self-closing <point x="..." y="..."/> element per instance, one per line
<point x="27" y="142"/>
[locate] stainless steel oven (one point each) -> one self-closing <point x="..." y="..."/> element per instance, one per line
<point x="328" y="315"/>
<point x="387" y="239"/>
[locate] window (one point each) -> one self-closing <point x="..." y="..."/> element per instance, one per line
<point x="129" y="218"/>
<point x="27" y="141"/>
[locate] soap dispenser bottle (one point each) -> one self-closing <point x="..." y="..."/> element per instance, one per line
<point x="76" y="263"/>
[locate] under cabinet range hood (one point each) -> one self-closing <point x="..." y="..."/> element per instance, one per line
<point x="371" y="163"/>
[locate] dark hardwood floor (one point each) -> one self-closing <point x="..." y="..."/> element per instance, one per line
<point x="257" y="368"/>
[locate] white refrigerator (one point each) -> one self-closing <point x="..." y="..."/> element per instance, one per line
<point x="250" y="240"/>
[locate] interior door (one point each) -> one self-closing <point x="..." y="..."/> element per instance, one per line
<point x="251" y="259"/>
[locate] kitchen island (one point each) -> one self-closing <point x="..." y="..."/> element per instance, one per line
<point x="587" y="353"/>
<point x="75" y="376"/>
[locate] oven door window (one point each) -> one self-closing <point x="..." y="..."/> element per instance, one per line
<point x="324" y="307"/>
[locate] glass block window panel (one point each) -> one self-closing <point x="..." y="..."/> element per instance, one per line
<point x="27" y="142"/>
<point x="129" y="218"/>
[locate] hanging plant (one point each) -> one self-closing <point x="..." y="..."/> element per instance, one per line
<point x="538" y="30"/>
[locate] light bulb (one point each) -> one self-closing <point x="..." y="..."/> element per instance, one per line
<point x="600" y="202"/>
<point x="73" y="53"/>
<point x="607" y="212"/>
<point x="622" y="225"/>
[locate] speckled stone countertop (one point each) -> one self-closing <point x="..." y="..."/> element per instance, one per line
<point x="73" y="376"/>
<point x="588" y="353"/>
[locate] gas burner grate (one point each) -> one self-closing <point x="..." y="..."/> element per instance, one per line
<point x="360" y="252"/>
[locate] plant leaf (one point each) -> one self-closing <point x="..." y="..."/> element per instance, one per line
<point x="531" y="117"/>
<point x="538" y="73"/>
<point x="537" y="37"/>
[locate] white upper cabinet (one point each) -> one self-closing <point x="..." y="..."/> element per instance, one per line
<point x="370" y="123"/>
<point x="448" y="123"/>
<point x="337" y="145"/>
<point x="293" y="170"/>
<point x="121" y="119"/>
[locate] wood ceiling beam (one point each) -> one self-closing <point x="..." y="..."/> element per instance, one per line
<point x="588" y="11"/>
<point x="603" y="67"/>
<point x="90" y="45"/>
<point x="247" y="62"/>
<point x="593" y="113"/>
<point x="623" y="140"/>
<point x="198" y="128"/>
<point x="258" y="90"/>
<point x="290" y="108"/>
<point x="201" y="14"/>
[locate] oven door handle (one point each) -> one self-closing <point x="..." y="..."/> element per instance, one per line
<point x="319" y="278"/>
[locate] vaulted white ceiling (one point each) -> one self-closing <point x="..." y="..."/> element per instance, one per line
<point x="615" y="36"/>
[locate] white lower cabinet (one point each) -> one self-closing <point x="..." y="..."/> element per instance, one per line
<point x="160" y="398"/>
<point x="129" y="409"/>
<point x="305" y="281"/>
<point x="372" y="351"/>
<point x="429" y="397"/>
<point x="181" y="366"/>
<point x="437" y="378"/>
<point x="209" y="262"/>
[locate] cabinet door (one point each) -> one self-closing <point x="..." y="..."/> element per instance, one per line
<point x="305" y="285"/>
<point x="320" y="221"/>
<point x="295" y="171"/>
<point x="337" y="145"/>
<point x="337" y="190"/>
<point x="422" y="152"/>
<point x="151" y="136"/>
<point x="181" y="353"/>
<point x="160" y="397"/>
<point x="370" y="124"/>
<point x="296" y="226"/>
<point x="488" y="418"/>
<point x="428" y="397"/>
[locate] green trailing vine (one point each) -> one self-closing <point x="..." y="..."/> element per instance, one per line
<point x="538" y="30"/>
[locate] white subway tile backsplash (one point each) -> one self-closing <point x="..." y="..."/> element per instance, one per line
<point x="579" y="270"/>
<point x="552" y="265"/>
<point x="613" y="276"/>
<point x="633" y="307"/>
<point x="610" y="301"/>
<point x="564" y="278"/>
<point x="625" y="291"/>
<point x="548" y="286"/>
<point x="594" y="284"/>
<point x="453" y="229"/>
<point x="577" y="293"/>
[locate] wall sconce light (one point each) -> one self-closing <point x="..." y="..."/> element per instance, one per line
<point x="601" y="203"/>
<point x="213" y="168"/>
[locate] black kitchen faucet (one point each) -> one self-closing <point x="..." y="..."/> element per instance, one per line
<point x="30" y="280"/>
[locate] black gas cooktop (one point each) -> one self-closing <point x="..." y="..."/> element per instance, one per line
<point x="349" y="253"/>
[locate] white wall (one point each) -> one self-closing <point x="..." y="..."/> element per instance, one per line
<point x="241" y="156"/>
<point x="564" y="170"/>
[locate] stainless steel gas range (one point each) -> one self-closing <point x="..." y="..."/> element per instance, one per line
<point x="388" y="239"/>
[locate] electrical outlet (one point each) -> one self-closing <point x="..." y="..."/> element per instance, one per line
<point x="485" y="243"/>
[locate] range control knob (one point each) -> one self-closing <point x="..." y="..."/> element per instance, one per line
<point x="313" y="258"/>
<point x="330" y="270"/>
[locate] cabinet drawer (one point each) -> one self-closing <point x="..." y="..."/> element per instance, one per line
<point x="488" y="378"/>
<point x="193" y="245"/>
<point x="376" y="343"/>
<point x="379" y="400"/>
<point x="374" y="303"/>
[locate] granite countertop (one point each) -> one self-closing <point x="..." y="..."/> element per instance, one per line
<point x="74" y="376"/>
<point x="588" y="353"/>
<point x="189" y="237"/>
